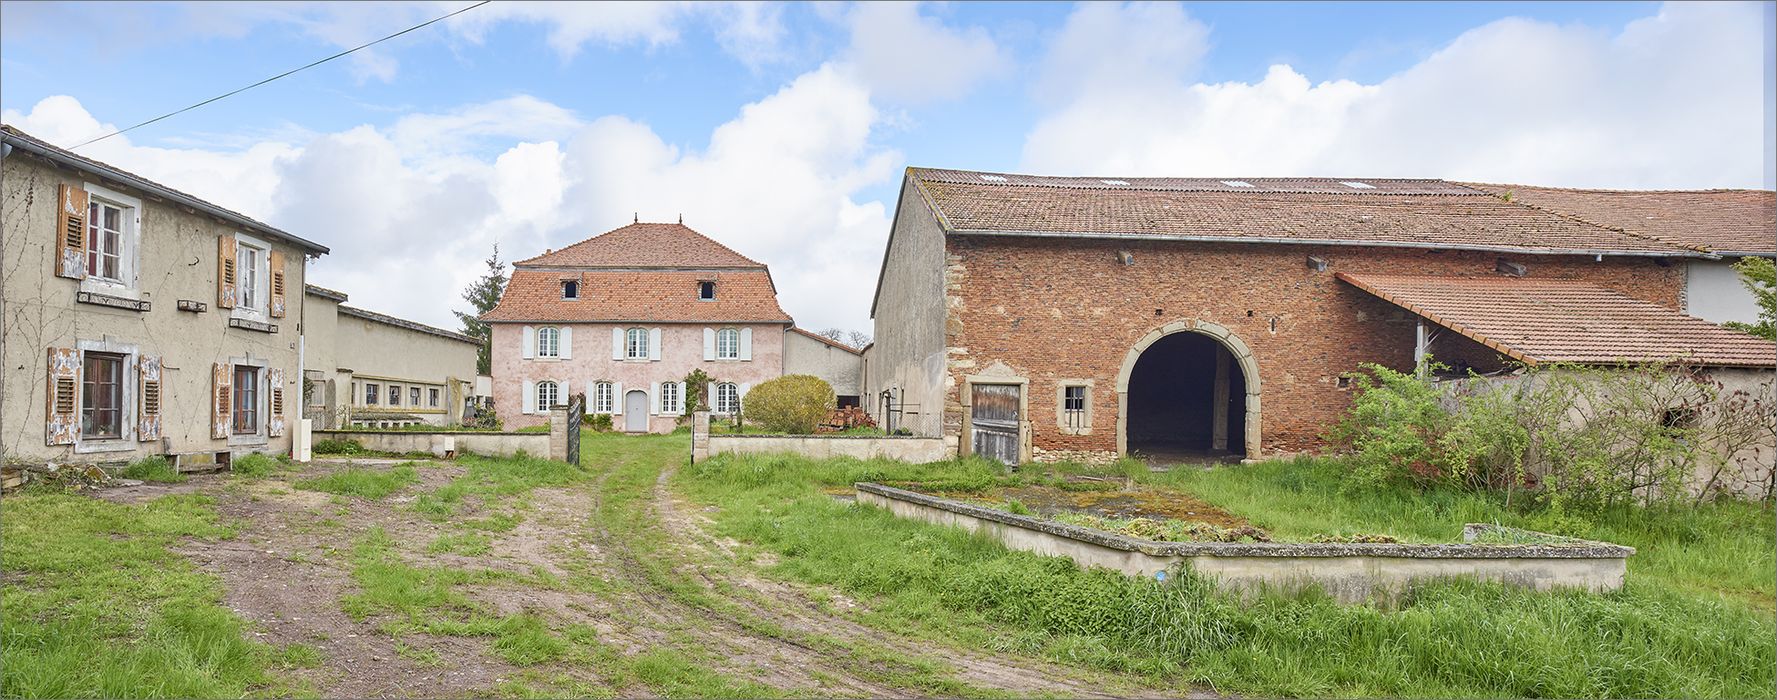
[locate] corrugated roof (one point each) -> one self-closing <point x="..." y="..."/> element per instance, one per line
<point x="1389" y="212"/>
<point x="1565" y="321"/>
<point x="667" y="296"/>
<point x="1726" y="221"/>
<point x="645" y="245"/>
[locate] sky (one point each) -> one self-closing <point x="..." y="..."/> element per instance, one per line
<point x="783" y="130"/>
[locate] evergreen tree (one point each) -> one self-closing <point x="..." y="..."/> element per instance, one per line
<point x="1760" y="277"/>
<point x="483" y="295"/>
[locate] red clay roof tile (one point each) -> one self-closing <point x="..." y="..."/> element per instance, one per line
<point x="645" y="245"/>
<point x="1735" y="221"/>
<point x="1544" y="321"/>
<point x="665" y="296"/>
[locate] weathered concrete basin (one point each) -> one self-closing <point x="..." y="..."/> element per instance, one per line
<point x="1348" y="572"/>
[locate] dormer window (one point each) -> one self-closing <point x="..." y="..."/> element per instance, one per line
<point x="706" y="291"/>
<point x="570" y="289"/>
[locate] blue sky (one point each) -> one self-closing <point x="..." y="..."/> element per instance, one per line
<point x="782" y="129"/>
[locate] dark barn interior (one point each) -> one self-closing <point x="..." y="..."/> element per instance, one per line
<point x="1172" y="401"/>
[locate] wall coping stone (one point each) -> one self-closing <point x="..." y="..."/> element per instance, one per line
<point x="722" y="436"/>
<point x="424" y="432"/>
<point x="1564" y="548"/>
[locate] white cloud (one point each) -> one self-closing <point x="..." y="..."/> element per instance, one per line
<point x="907" y="57"/>
<point x="410" y="210"/>
<point x="1673" y="100"/>
<point x="1111" y="48"/>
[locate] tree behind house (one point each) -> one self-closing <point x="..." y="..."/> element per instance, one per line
<point x="483" y="295"/>
<point x="1760" y="277"/>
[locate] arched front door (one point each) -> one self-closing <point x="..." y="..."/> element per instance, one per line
<point x="635" y="412"/>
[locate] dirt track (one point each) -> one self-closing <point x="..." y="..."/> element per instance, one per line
<point x="291" y="564"/>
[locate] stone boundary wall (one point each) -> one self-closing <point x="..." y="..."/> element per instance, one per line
<point x="1350" y="573"/>
<point x="907" y="449"/>
<point x="442" y="443"/>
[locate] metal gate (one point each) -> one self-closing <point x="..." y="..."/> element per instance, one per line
<point x="993" y="421"/>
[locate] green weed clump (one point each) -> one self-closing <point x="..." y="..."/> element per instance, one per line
<point x="369" y="484"/>
<point x="254" y="466"/>
<point x="155" y="468"/>
<point x="338" y="446"/>
<point x="1670" y="632"/>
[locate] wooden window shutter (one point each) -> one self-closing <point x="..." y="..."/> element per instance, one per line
<point x="277" y="283"/>
<point x="148" y="396"/>
<point x="221" y="399"/>
<point x="71" y="233"/>
<point x="63" y="385"/>
<point x="225" y="272"/>
<point x="274" y="382"/>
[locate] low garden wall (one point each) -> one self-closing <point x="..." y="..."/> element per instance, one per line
<point x="443" y="442"/>
<point x="909" y="449"/>
<point x="1348" y="572"/>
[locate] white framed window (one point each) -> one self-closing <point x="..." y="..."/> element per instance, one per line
<point x="670" y="400"/>
<point x="1073" y="406"/>
<point x="549" y="342"/>
<point x="636" y="344"/>
<point x="252" y="261"/>
<point x="727" y="398"/>
<point x="728" y="344"/>
<point x="394" y="395"/>
<point x="601" y="397"/>
<point x="113" y="237"/>
<point x="546" y="396"/>
<point x="432" y="395"/>
<point x="413" y="396"/>
<point x="372" y="392"/>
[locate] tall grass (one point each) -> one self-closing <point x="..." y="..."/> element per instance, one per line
<point x="370" y="484"/>
<point x="1657" y="637"/>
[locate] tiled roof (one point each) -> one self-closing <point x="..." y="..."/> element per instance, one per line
<point x="1732" y="221"/>
<point x="1412" y="213"/>
<point x="666" y="296"/>
<point x="324" y="292"/>
<point x="13" y="137"/>
<point x="1544" y="321"/>
<point x="645" y="245"/>
<point x="826" y="340"/>
<point x="403" y="323"/>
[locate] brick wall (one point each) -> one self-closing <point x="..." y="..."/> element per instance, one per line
<point x="1068" y="309"/>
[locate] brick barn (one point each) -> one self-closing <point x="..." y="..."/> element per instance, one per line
<point x="1041" y="318"/>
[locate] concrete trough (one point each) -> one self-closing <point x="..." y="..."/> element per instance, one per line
<point x="445" y="443"/>
<point x="1350" y="573"/>
<point x="908" y="449"/>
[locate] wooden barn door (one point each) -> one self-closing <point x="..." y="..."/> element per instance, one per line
<point x="993" y="420"/>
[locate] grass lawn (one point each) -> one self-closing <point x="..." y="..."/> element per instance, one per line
<point x="1693" y="621"/>
<point x="96" y="606"/>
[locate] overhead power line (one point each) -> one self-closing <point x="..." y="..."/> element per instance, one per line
<point x="290" y="72"/>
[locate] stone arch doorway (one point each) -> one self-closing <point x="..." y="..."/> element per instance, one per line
<point x="1189" y="387"/>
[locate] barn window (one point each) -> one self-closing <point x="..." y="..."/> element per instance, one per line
<point x="1073" y="407"/>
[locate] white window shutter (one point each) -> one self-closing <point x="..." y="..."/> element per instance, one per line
<point x="746" y="344"/>
<point x="617" y="398"/>
<point x="566" y="348"/>
<point x="653" y="399"/>
<point x="530" y="342"/>
<point x="709" y="396"/>
<point x="529" y="397"/>
<point x="653" y="343"/>
<point x="740" y="393"/>
<point x="709" y="343"/>
<point x="616" y="343"/>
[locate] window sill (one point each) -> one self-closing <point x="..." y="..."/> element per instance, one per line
<point x="256" y="440"/>
<point x="103" y="445"/>
<point x="246" y="324"/>
<point x="111" y="301"/>
<point x="1075" y="431"/>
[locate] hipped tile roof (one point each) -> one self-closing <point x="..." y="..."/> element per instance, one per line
<point x="666" y="296"/>
<point x="1418" y="213"/>
<point x="1727" y="221"/>
<point x="1566" y="321"/>
<point x="645" y="245"/>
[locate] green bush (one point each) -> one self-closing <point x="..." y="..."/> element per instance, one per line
<point x="155" y="468"/>
<point x="600" y="422"/>
<point x="793" y="404"/>
<point x="338" y="446"/>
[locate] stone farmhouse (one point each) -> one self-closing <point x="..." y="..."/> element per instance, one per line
<point x="368" y="369"/>
<point x="1043" y="317"/>
<point x="140" y="320"/>
<point x="625" y="316"/>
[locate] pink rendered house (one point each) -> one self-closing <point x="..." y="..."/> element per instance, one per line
<point x="623" y="317"/>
